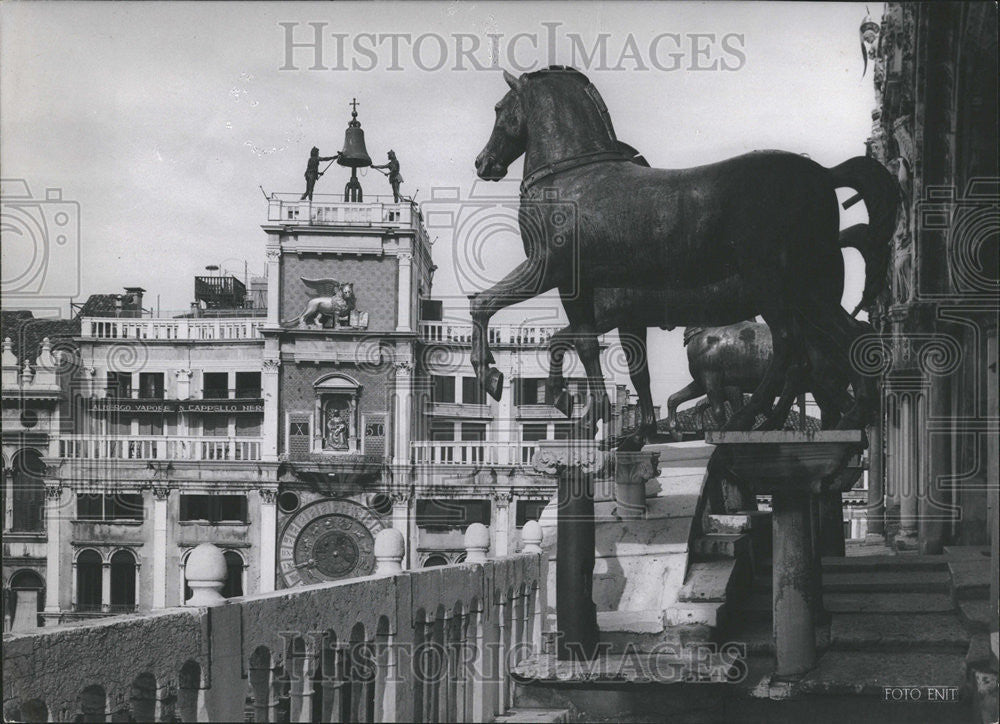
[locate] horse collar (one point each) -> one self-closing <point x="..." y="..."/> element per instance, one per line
<point x="584" y="159"/>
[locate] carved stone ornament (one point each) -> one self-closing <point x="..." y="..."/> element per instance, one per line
<point x="333" y="306"/>
<point x="53" y="492"/>
<point x="502" y="498"/>
<point x="268" y="496"/>
<point x="636" y="467"/>
<point x="161" y="492"/>
<point x="552" y="458"/>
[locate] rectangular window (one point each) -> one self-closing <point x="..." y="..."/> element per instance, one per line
<point x="215" y="424"/>
<point x="248" y="384"/>
<point x="151" y="423"/>
<point x="529" y="510"/>
<point x="442" y="430"/>
<point x="151" y="385"/>
<point x="248" y="425"/>
<point x="534" y="431"/>
<point x="444" y="513"/>
<point x="213" y="509"/>
<point x="530" y="391"/>
<point x="473" y="431"/>
<point x="444" y="388"/>
<point x="564" y="431"/>
<point x="215" y="386"/>
<point x="119" y="385"/>
<point x="472" y="392"/>
<point x="109" y="507"/>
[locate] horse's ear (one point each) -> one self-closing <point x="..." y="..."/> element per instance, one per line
<point x="514" y="83"/>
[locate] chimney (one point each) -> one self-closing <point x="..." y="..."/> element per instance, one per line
<point x="131" y="304"/>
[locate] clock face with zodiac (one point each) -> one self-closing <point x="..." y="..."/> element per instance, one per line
<point x="327" y="540"/>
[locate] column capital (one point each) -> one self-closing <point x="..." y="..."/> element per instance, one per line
<point x="552" y="457"/>
<point x="273" y="253"/>
<point x="271" y="365"/>
<point x="53" y="492"/>
<point x="268" y="496"/>
<point x="399" y="498"/>
<point x="405" y="257"/>
<point x="502" y="498"/>
<point x="161" y="492"/>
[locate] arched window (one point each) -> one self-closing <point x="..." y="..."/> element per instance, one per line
<point x="28" y="491"/>
<point x="26" y="589"/>
<point x="122" y="582"/>
<point x="234" y="575"/>
<point x="89" y="574"/>
<point x="435" y="560"/>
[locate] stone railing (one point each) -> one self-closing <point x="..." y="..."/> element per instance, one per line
<point x="428" y="645"/>
<point x="158" y="447"/>
<point x="520" y="335"/>
<point x="171" y="328"/>
<point x="436" y="452"/>
<point x="328" y="210"/>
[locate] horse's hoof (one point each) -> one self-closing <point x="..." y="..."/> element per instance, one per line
<point x="564" y="403"/>
<point x="494" y="383"/>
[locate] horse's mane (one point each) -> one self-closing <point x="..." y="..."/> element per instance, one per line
<point x="564" y="69"/>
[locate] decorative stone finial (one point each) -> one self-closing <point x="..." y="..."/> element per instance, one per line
<point x="389" y="550"/>
<point x="531" y="537"/>
<point x="477" y="542"/>
<point x="206" y="574"/>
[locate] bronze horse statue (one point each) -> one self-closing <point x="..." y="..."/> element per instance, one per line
<point x="706" y="246"/>
<point x="726" y="362"/>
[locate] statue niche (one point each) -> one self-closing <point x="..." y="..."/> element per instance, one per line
<point x="337" y="415"/>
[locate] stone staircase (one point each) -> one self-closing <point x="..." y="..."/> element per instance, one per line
<point x="904" y="638"/>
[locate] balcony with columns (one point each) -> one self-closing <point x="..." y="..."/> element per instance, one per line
<point x="420" y="645"/>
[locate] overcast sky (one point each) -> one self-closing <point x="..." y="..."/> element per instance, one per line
<point x="162" y="119"/>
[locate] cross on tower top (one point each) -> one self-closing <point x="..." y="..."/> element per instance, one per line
<point x="354" y="107"/>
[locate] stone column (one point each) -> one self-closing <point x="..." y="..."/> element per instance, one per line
<point x="54" y="514"/>
<point x="106" y="586"/>
<point x="401" y="522"/>
<point x="267" y="541"/>
<point x="501" y="523"/>
<point x="401" y="426"/>
<point x="936" y="468"/>
<point x="404" y="302"/>
<point x="271" y="430"/>
<point x="875" y="513"/>
<point x="576" y="463"/>
<point x="161" y="497"/>
<point x="273" y="286"/>
<point x="794" y="585"/>
<point x="908" y="472"/>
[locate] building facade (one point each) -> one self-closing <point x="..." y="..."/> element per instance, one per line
<point x="934" y="464"/>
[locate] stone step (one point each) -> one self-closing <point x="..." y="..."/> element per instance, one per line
<point x="891" y="581"/>
<point x="970" y="578"/>
<point x="693" y="664"/>
<point x="862" y="673"/>
<point x="760" y="603"/>
<point x="721" y="545"/>
<point x="863" y="564"/>
<point x="528" y="715"/>
<point x="709" y="581"/>
<point x="977" y="615"/>
<point x="644" y="632"/>
<point x="898" y="632"/>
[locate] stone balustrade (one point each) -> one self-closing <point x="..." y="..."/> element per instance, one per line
<point x="173" y="328"/>
<point x="431" y="645"/>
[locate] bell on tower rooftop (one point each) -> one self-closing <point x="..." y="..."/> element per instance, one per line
<point x="354" y="155"/>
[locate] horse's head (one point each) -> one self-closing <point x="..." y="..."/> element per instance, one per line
<point x="510" y="134"/>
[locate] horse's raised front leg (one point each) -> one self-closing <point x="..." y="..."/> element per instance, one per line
<point x="559" y="343"/>
<point x="693" y="391"/>
<point x="633" y="342"/>
<point x="523" y="282"/>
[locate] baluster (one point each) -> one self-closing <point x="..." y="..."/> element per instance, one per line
<point x="501" y="664"/>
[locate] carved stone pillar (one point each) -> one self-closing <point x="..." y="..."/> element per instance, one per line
<point x="54" y="515"/>
<point x="273" y="286"/>
<point x="401" y="426"/>
<point x="268" y="538"/>
<point x="501" y="523"/>
<point x="404" y="302"/>
<point x="401" y="522"/>
<point x="271" y="431"/>
<point x="161" y="496"/>
<point x="576" y="463"/>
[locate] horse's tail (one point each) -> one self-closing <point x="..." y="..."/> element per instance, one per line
<point x="879" y="189"/>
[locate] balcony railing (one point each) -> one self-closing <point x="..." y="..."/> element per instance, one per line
<point x="172" y="328"/>
<point x="433" y="644"/>
<point x="155" y="447"/>
<point x="329" y="210"/>
<point x="437" y="452"/>
<point x="499" y="334"/>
